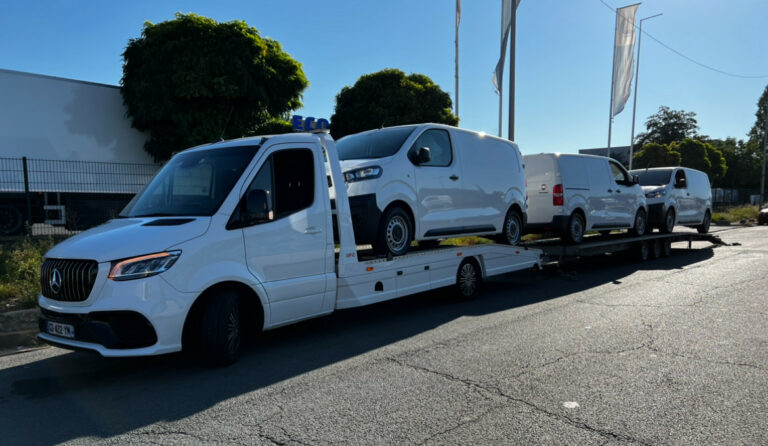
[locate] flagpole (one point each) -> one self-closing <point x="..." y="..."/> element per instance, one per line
<point x="613" y="80"/>
<point x="634" y="96"/>
<point x="501" y="83"/>
<point x="512" y="33"/>
<point x="458" y="5"/>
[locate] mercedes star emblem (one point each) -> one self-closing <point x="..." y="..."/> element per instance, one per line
<point x="55" y="281"/>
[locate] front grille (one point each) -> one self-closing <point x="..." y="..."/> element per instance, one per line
<point x="74" y="280"/>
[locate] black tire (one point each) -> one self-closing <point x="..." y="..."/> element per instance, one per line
<point x="395" y="232"/>
<point x="574" y="233"/>
<point x="469" y="277"/>
<point x="643" y="251"/>
<point x="605" y="232"/>
<point x="429" y="244"/>
<point x="703" y="228"/>
<point x="220" y="329"/>
<point x="641" y="221"/>
<point x="657" y="249"/>
<point x="512" y="229"/>
<point x="11" y="220"/>
<point x="668" y="225"/>
<point x="666" y="248"/>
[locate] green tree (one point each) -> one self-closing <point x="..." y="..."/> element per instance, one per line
<point x="192" y="80"/>
<point x="743" y="160"/>
<point x="655" y="155"/>
<point x="758" y="130"/>
<point x="701" y="156"/>
<point x="667" y="126"/>
<point x="390" y="97"/>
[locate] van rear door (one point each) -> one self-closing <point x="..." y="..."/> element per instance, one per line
<point x="542" y="175"/>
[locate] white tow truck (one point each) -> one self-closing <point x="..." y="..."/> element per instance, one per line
<point x="230" y="237"/>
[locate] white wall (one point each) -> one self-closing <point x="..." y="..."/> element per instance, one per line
<point x="63" y="119"/>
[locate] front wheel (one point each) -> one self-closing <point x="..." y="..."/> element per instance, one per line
<point x="395" y="234"/>
<point x="703" y="228"/>
<point x="639" y="227"/>
<point x="220" y="330"/>
<point x="513" y="228"/>
<point x="468" y="279"/>
<point x="669" y="221"/>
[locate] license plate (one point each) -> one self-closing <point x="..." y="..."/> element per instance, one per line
<point x="64" y="330"/>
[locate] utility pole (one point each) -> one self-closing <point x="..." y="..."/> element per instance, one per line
<point x="512" y="33"/>
<point x="765" y="149"/>
<point x="634" y="97"/>
<point x="501" y="83"/>
<point x="458" y="6"/>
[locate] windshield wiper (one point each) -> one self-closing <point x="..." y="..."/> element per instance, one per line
<point x="155" y="214"/>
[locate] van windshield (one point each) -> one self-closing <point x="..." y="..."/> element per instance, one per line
<point x="192" y="183"/>
<point x="656" y="177"/>
<point x="373" y="144"/>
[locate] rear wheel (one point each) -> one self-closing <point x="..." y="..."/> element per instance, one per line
<point x="667" y="248"/>
<point x="643" y="251"/>
<point x="657" y="248"/>
<point x="513" y="228"/>
<point x="703" y="228"/>
<point x="669" y="221"/>
<point x="639" y="227"/>
<point x="220" y="329"/>
<point x="468" y="279"/>
<point x="575" y="230"/>
<point x="395" y="234"/>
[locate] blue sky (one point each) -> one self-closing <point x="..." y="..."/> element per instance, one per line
<point x="564" y="55"/>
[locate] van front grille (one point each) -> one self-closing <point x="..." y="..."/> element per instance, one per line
<point x="68" y="280"/>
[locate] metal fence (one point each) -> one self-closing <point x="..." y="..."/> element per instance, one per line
<point x="54" y="197"/>
<point x="723" y="198"/>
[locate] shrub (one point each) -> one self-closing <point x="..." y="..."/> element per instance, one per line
<point x="20" y="271"/>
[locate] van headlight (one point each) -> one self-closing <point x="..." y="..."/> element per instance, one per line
<point x="143" y="266"/>
<point x="656" y="193"/>
<point x="364" y="173"/>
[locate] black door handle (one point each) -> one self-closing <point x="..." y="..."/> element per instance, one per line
<point x="453" y="177"/>
<point x="688" y="194"/>
<point x="618" y="191"/>
<point x="610" y="190"/>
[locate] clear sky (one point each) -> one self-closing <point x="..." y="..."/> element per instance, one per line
<point x="564" y="54"/>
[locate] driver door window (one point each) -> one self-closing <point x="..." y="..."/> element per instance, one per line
<point x="439" y="145"/>
<point x="619" y="174"/>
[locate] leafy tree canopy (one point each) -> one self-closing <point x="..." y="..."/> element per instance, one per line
<point x="387" y="98"/>
<point x="758" y="130"/>
<point x="655" y="155"/>
<point x="743" y="160"/>
<point x="667" y="126"/>
<point x="701" y="156"/>
<point x="192" y="80"/>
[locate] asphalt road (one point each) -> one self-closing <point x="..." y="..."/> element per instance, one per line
<point x="669" y="351"/>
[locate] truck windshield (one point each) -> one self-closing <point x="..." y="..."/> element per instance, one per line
<point x="373" y="144"/>
<point x="192" y="183"/>
<point x="656" y="177"/>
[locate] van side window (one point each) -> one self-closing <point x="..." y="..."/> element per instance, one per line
<point x="680" y="180"/>
<point x="619" y="174"/>
<point x="439" y="144"/>
<point x="288" y="178"/>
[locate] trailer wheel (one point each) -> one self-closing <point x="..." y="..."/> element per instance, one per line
<point x="657" y="248"/>
<point x="703" y="228"/>
<point x="643" y="251"/>
<point x="640" y="221"/>
<point x="220" y="330"/>
<point x="667" y="248"/>
<point x="669" y="221"/>
<point x="468" y="279"/>
<point x="11" y="220"/>
<point x="575" y="230"/>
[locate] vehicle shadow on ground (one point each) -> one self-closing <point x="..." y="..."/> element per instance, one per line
<point x="83" y="395"/>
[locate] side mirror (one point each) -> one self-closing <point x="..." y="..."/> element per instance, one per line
<point x="257" y="209"/>
<point x="423" y="156"/>
<point x="635" y="179"/>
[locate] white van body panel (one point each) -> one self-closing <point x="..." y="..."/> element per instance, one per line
<point x="686" y="191"/>
<point x="588" y="187"/>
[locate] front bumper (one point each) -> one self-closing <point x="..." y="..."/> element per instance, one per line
<point x="132" y="318"/>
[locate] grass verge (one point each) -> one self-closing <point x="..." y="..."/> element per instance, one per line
<point x="736" y="214"/>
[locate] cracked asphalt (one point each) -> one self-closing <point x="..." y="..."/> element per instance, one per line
<point x="609" y="351"/>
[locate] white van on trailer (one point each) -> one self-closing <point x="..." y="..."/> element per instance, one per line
<point x="571" y="194"/>
<point x="234" y="236"/>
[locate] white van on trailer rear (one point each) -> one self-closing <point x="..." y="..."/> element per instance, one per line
<point x="233" y="236"/>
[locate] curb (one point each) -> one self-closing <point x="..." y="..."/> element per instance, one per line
<point x="18" y="329"/>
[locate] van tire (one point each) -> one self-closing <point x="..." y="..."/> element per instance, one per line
<point x="668" y="225"/>
<point x="395" y="232"/>
<point x="512" y="229"/>
<point x="221" y="330"/>
<point x="703" y="228"/>
<point x="469" y="277"/>
<point x="641" y="222"/>
<point x="574" y="233"/>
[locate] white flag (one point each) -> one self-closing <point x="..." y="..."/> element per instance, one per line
<point x="623" y="57"/>
<point x="506" y="14"/>
<point x="458" y="14"/>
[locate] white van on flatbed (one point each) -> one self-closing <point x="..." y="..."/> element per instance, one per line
<point x="232" y="237"/>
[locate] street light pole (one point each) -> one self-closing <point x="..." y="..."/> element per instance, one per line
<point x="634" y="97"/>
<point x="765" y="149"/>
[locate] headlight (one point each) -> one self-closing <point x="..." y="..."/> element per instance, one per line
<point x="656" y="194"/>
<point x="143" y="266"/>
<point x="365" y="173"/>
